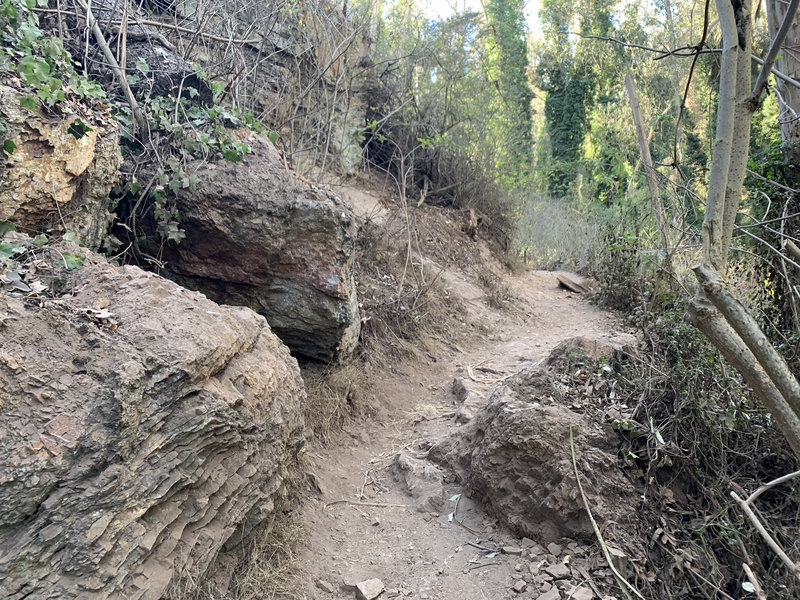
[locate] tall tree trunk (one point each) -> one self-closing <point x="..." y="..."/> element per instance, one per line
<point x="714" y="310"/>
<point x="788" y="63"/>
<point x="656" y="203"/>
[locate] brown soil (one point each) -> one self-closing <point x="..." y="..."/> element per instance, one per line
<point x="363" y="525"/>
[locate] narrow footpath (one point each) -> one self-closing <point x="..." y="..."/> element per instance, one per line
<point x="366" y="526"/>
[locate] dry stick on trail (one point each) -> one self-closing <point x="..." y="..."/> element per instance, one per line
<point x="373" y="504"/>
<point x="626" y="587"/>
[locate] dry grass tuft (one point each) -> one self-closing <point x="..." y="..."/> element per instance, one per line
<point x="336" y="393"/>
<point x="268" y="572"/>
<point x="407" y="309"/>
<point x="261" y="569"/>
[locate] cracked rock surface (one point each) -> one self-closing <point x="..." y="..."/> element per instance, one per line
<point x="130" y="454"/>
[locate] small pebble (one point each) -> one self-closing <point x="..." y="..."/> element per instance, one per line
<point x="520" y="586"/>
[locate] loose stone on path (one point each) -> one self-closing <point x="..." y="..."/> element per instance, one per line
<point x="369" y="589"/>
<point x="559" y="571"/>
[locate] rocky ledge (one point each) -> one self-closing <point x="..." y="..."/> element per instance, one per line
<point x="142" y="428"/>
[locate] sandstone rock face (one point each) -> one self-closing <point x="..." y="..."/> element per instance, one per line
<point x="53" y="178"/>
<point x="142" y="427"/>
<point x="514" y="456"/>
<point x="258" y="236"/>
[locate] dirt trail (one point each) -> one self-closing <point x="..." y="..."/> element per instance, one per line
<point x="423" y="554"/>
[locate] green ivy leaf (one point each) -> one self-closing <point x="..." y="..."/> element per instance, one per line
<point x="40" y="240"/>
<point x="142" y="66"/>
<point x="73" y="261"/>
<point x="175" y="233"/>
<point x="192" y="182"/>
<point x="29" y="102"/>
<point x="78" y="129"/>
<point x="230" y="154"/>
<point x="5" y="227"/>
<point x="9" y="146"/>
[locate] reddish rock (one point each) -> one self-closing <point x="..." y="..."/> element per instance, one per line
<point x="258" y="236"/>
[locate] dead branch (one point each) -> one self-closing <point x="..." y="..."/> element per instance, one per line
<point x="626" y="587"/>
<point x="486" y="380"/>
<point x="770" y="485"/>
<point x="761" y="82"/>
<point x="373" y="504"/>
<point x="689" y="51"/>
<point x="792" y="249"/>
<point x="118" y="72"/>
<point x="752" y="578"/>
<point x="745" y="506"/>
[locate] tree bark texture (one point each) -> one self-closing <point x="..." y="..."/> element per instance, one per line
<point x="702" y="314"/>
<point x="712" y="232"/>
<point x="714" y="310"/>
<point x="788" y="63"/>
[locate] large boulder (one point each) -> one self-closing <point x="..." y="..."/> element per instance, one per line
<point x="142" y="427"/>
<point x="61" y="169"/>
<point x="258" y="236"/>
<point x="515" y="457"/>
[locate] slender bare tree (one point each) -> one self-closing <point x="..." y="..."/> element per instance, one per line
<point x="714" y="310"/>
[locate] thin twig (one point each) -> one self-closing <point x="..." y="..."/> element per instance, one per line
<point x="491" y="564"/>
<point x="626" y="587"/>
<point x="682" y="52"/>
<point x="118" y="72"/>
<point x="773" y="183"/>
<point x="698" y="48"/>
<point x="771" y="247"/>
<point x="374" y="504"/>
<point x="169" y="26"/>
<point x="752" y="578"/>
<point x="487" y="380"/>
<point x="745" y="506"/>
<point x="761" y="83"/>
<point x="361" y="494"/>
<point x="771" y="485"/>
<point x="479" y="547"/>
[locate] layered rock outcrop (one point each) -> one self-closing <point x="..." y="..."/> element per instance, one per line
<point x="60" y="170"/>
<point x="514" y="456"/>
<point x="258" y="236"/>
<point x="142" y="427"/>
